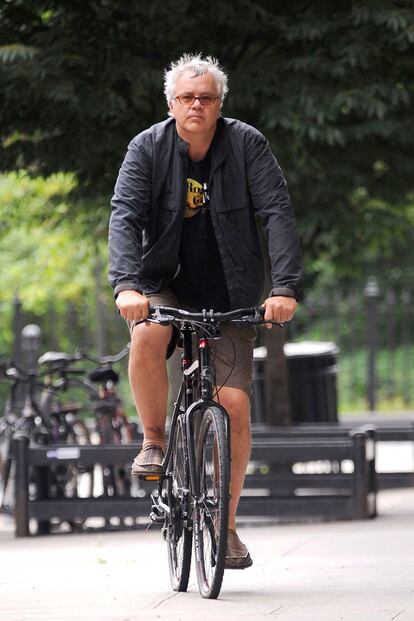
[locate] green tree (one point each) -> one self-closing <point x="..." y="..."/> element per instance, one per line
<point x="330" y="84"/>
<point x="51" y="264"/>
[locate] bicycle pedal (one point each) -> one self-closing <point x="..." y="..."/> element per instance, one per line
<point x="156" y="519"/>
<point x="149" y="477"/>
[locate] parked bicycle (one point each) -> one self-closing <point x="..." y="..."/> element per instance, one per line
<point x="24" y="413"/>
<point x="111" y="423"/>
<point x="192" y="496"/>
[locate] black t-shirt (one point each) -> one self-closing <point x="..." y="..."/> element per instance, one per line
<point x="200" y="282"/>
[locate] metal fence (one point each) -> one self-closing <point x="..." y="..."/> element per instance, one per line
<point x="373" y="328"/>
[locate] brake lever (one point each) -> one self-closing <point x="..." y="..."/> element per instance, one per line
<point x="160" y="320"/>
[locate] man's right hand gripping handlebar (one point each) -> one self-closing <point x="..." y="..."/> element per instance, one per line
<point x="132" y="305"/>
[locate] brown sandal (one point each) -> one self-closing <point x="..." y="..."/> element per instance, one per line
<point x="149" y="460"/>
<point x="237" y="555"/>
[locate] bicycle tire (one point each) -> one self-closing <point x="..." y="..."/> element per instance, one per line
<point x="212" y="513"/>
<point x="106" y="431"/>
<point x="115" y="478"/>
<point x="70" y="481"/>
<point x="6" y="469"/>
<point x="79" y="432"/>
<point x="179" y="534"/>
<point x="106" y="437"/>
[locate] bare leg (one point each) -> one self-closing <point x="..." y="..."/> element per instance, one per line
<point x="149" y="380"/>
<point x="237" y="404"/>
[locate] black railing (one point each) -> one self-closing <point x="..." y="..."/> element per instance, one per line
<point x="274" y="488"/>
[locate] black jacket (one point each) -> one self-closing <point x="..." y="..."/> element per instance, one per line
<point x="245" y="180"/>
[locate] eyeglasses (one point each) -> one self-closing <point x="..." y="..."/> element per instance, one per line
<point x="188" y="100"/>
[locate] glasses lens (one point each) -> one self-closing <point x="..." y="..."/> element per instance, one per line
<point x="206" y="100"/>
<point x="188" y="100"/>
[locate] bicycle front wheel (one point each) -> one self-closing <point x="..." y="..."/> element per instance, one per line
<point x="212" y="513"/>
<point x="179" y="535"/>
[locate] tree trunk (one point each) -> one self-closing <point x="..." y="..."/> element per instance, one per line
<point x="276" y="379"/>
<point x="100" y="309"/>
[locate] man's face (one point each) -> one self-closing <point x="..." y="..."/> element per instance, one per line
<point x="195" y="118"/>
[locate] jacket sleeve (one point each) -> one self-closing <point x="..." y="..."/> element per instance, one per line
<point x="270" y="196"/>
<point x="130" y="207"/>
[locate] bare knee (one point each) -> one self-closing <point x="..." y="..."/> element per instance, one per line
<point x="237" y="404"/>
<point x="149" y="342"/>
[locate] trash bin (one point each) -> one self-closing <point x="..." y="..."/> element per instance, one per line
<point x="313" y="369"/>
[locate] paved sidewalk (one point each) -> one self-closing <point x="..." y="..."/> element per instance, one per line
<point x="334" y="571"/>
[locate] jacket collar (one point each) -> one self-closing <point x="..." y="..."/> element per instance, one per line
<point x="218" y="146"/>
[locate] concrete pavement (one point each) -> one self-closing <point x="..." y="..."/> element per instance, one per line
<point x="333" y="571"/>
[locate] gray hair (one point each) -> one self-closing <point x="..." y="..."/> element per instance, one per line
<point x="199" y="65"/>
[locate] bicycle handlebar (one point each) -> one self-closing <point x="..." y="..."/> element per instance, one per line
<point x="106" y="359"/>
<point x="59" y="360"/>
<point x="167" y="314"/>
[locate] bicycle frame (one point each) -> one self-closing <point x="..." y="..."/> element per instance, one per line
<point x="196" y="374"/>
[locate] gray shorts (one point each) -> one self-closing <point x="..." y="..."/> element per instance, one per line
<point x="232" y="353"/>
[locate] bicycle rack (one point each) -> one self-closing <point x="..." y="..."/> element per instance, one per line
<point x="311" y="477"/>
<point x="44" y="509"/>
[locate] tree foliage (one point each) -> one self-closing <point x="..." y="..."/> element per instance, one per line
<point x="330" y="84"/>
<point x="49" y="262"/>
<point x="27" y="201"/>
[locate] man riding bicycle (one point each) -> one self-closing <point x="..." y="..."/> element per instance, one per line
<point x="183" y="233"/>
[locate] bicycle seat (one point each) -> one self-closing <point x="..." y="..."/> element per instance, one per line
<point x="101" y="374"/>
<point x="55" y="357"/>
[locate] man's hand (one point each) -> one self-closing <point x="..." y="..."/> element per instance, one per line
<point x="279" y="308"/>
<point x="132" y="305"/>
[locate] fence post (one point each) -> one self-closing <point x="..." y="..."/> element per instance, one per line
<point x="372" y="292"/>
<point x="361" y="476"/>
<point x="21" y="512"/>
<point x="405" y="342"/>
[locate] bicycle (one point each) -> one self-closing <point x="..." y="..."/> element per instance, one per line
<point x="192" y="496"/>
<point x="112" y="424"/>
<point x="24" y="413"/>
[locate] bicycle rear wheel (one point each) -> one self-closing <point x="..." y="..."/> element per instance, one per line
<point x="83" y="477"/>
<point x="178" y="528"/>
<point x="212" y="513"/>
<point x="111" y="478"/>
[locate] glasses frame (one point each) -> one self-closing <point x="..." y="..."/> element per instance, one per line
<point x="194" y="97"/>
